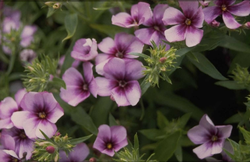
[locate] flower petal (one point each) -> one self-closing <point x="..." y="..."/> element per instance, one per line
<point x="107" y="45"/>
<point x="159" y="11"/>
<point x="123" y="41"/>
<point x="32" y="101"/>
<point x="30" y="127"/>
<point x="210" y="13"/>
<point x="6" y="123"/>
<point x="172" y="16"/>
<point x="198" y="134"/>
<point x="88" y="72"/>
<point x="207" y="123"/>
<point x="240" y="9"/>
<point x="115" y="69"/>
<point x="176" y="33"/>
<point x="72" y="77"/>
<point x="26" y="146"/>
<point x="8" y="142"/>
<point x="48" y="128"/>
<point x="49" y="101"/>
<point x="19" y="95"/>
<point x="198" y="18"/>
<point x="109" y="152"/>
<point x="189" y="7"/>
<point x="104" y="132"/>
<point x="225" y="131"/>
<point x="55" y="114"/>
<point x="7" y="107"/>
<point x="224" y="2"/>
<point x="121" y="144"/>
<point x="203" y="151"/>
<point x="193" y="36"/>
<point x="230" y="21"/>
<point x="118" y="133"/>
<point x="144" y="35"/>
<point x="133" y="92"/>
<point x="134" y="69"/>
<point x="93" y="88"/>
<point x="142" y="12"/>
<point x="217" y="147"/>
<point x="99" y="144"/>
<point x="135" y="46"/>
<point x="99" y="67"/>
<point x="18" y="118"/>
<point x="80" y="152"/>
<point x="123" y="19"/>
<point x="105" y="86"/>
<point x="120" y="96"/>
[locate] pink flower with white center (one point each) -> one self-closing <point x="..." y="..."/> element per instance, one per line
<point x="40" y="112"/>
<point x="210" y="137"/>
<point x="79" y="153"/>
<point x="77" y="87"/>
<point x="22" y="142"/>
<point x="139" y="13"/>
<point x="120" y="81"/>
<point x="110" y="139"/>
<point x="226" y="8"/>
<point x="84" y="49"/>
<point x="120" y="47"/>
<point x="156" y="28"/>
<point x="8" y="106"/>
<point x="187" y="24"/>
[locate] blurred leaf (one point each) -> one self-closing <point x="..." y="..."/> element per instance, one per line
<point x="162" y="121"/>
<point x="112" y="121"/>
<point x="241" y="59"/>
<point x="140" y="54"/>
<point x="236" y="150"/>
<point x="167" y="147"/>
<point x="100" y="112"/>
<point x="79" y="116"/>
<point x="183" y="120"/>
<point x="152" y="134"/>
<point x="71" y="22"/>
<point x="236" y="118"/>
<point x="234" y="44"/>
<point x="183" y="51"/>
<point x="80" y="140"/>
<point x="109" y="30"/>
<point x="136" y="143"/>
<point x="178" y="153"/>
<point x="246" y="135"/>
<point x="230" y="85"/>
<point x="51" y="11"/>
<point x="58" y="82"/>
<point x="144" y="85"/>
<point x="206" y="66"/>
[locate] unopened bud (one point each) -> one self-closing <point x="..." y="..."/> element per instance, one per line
<point x="50" y="149"/>
<point x="112" y="98"/>
<point x="57" y="5"/>
<point x="30" y="68"/>
<point x="57" y="134"/>
<point x="49" y="3"/>
<point x="92" y="159"/>
<point x="247" y="25"/>
<point x="215" y="23"/>
<point x="163" y="59"/>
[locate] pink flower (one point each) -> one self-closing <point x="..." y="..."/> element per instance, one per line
<point x="40" y="112"/>
<point x="110" y="139"/>
<point x="77" y="87"/>
<point x="79" y="153"/>
<point x="120" y="81"/>
<point x="84" y="49"/>
<point x="226" y="8"/>
<point x="186" y="25"/>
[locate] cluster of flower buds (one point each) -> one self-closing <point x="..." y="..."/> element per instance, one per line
<point x="241" y="76"/>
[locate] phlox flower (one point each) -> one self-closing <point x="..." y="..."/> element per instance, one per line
<point x="27" y="55"/>
<point x="8" y="106"/>
<point x="120" y="47"/>
<point x="120" y="81"/>
<point x="156" y="28"/>
<point x="84" y="49"/>
<point x="27" y="35"/>
<point x="78" y="153"/>
<point x="22" y="142"/>
<point x="210" y="137"/>
<point x="7" y="153"/>
<point x="226" y="9"/>
<point x="187" y="24"/>
<point x="40" y="112"/>
<point x="77" y="87"/>
<point x="110" y="139"/>
<point x="139" y="13"/>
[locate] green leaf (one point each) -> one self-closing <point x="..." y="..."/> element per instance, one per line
<point x="136" y="143"/>
<point x="71" y="22"/>
<point x="234" y="44"/>
<point x="140" y="54"/>
<point x="83" y="119"/>
<point x="109" y="30"/>
<point x="178" y="153"/>
<point x="58" y="82"/>
<point x="183" y="51"/>
<point x="80" y="140"/>
<point x="45" y="136"/>
<point x="153" y="134"/>
<point x="236" y="150"/>
<point x="206" y="66"/>
<point x="51" y="11"/>
<point x="183" y="120"/>
<point x="229" y="84"/>
<point x="112" y="120"/>
<point x="100" y="112"/>
<point x="246" y="135"/>
<point x="162" y="121"/>
<point x="144" y="86"/>
<point x="236" y="118"/>
<point x="167" y="147"/>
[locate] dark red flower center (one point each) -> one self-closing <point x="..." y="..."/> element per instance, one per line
<point x="122" y="83"/>
<point x="223" y="7"/>
<point x="42" y="115"/>
<point x="188" y="22"/>
<point x="109" y="146"/>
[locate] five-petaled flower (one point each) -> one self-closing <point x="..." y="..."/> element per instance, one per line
<point x="210" y="136"/>
<point x="186" y="25"/>
<point x="226" y="8"/>
<point x="110" y="139"/>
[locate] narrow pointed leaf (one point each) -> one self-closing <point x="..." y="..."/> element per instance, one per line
<point x="80" y="140"/>
<point x="71" y="22"/>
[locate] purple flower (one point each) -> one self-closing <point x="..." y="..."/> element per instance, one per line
<point x="79" y="153"/>
<point x="156" y="29"/>
<point x="84" y="49"/>
<point x="139" y="13"/>
<point x="8" y="153"/>
<point x="22" y="142"/>
<point x="120" y="81"/>
<point x="226" y="8"/>
<point x="27" y="35"/>
<point x="186" y="25"/>
<point x="8" y="106"/>
<point x="27" y="55"/>
<point x="211" y="137"/>
<point x="77" y="87"/>
<point x="110" y="139"/>
<point x="40" y="112"/>
<point x="120" y="47"/>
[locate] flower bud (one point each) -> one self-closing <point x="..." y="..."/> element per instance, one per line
<point x="50" y="149"/>
<point x="57" y="5"/>
<point x="49" y="3"/>
<point x="247" y="25"/>
<point x="215" y="23"/>
<point x="92" y="159"/>
<point x="163" y="59"/>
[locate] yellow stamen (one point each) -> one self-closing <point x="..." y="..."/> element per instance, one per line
<point x="109" y="146"/>
<point x="188" y="22"/>
<point x="223" y="8"/>
<point x="42" y="115"/>
<point x="214" y="138"/>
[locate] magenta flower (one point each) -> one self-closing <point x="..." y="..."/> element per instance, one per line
<point x="110" y="139"/>
<point x="79" y="153"/>
<point x="156" y="29"/>
<point x="120" y="47"/>
<point x="84" y="49"/>
<point x="40" y="112"/>
<point x="226" y="8"/>
<point x="77" y="87"/>
<point x="27" y="35"/>
<point x="8" y="106"/>
<point x="120" y="81"/>
<point x="22" y="142"/>
<point x="7" y="153"/>
<point x="186" y="25"/>
<point x="139" y="13"/>
<point x="211" y="137"/>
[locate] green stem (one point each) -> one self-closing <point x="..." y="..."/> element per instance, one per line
<point x="12" y="60"/>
